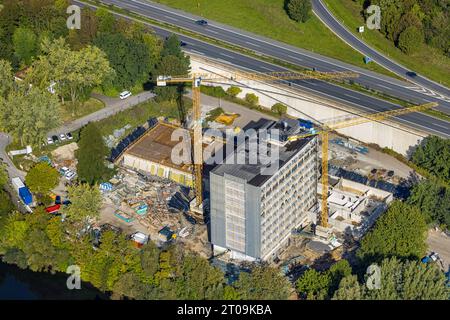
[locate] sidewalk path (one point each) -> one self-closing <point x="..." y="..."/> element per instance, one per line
<point x="112" y="106"/>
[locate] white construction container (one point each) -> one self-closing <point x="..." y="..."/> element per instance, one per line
<point x="17" y="183"/>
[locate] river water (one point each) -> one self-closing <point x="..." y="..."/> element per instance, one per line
<point x="18" y="284"/>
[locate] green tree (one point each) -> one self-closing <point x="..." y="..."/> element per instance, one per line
<point x="410" y="40"/>
<point x="252" y="99"/>
<point x="129" y="58"/>
<point x="25" y="44"/>
<point x="85" y="36"/>
<point x="28" y="114"/>
<point x="130" y="286"/>
<point x="86" y="202"/>
<point x="433" y="154"/>
<point x="42" y="178"/>
<point x="106" y="20"/>
<point x="432" y="199"/>
<point x="3" y="175"/>
<point x="337" y="272"/>
<point x="313" y="285"/>
<point x="149" y="261"/>
<point x="6" y="78"/>
<point x="279" y="108"/>
<point x="349" y="289"/>
<point x="196" y="279"/>
<point x="262" y="283"/>
<point x="91" y="155"/>
<point x="75" y="73"/>
<point x="299" y="10"/>
<point x="173" y="63"/>
<point x="400" y="232"/>
<point x="234" y="91"/>
<point x="6" y="205"/>
<point x="409" y="280"/>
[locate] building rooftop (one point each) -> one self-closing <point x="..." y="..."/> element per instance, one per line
<point x="254" y="173"/>
<point x="156" y="146"/>
<point x="344" y="200"/>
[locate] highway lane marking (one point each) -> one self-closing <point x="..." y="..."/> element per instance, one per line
<point x="295" y="58"/>
<point x="171" y="18"/>
<point x="262" y="67"/>
<point x="252" y="44"/>
<point x="380" y="85"/>
<point x="441" y="126"/>
<point x="198" y="52"/>
<point x="324" y="60"/>
<point x="212" y="31"/>
<point x="226" y="55"/>
<point x="269" y="43"/>
<point x="350" y="96"/>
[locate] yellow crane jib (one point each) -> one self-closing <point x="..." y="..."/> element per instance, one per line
<point x="326" y="128"/>
<point x="197" y="78"/>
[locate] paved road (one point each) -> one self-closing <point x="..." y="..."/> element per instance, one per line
<point x="269" y="47"/>
<point x="355" y="99"/>
<point x="113" y="106"/>
<point x="12" y="170"/>
<point x="321" y="10"/>
<point x="439" y="242"/>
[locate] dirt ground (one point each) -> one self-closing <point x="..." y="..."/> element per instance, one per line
<point x="439" y="242"/>
<point x="64" y="153"/>
<point x="363" y="164"/>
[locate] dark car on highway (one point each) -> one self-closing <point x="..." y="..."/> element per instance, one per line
<point x="202" y="22"/>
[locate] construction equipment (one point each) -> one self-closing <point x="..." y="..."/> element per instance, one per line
<point x="328" y="127"/>
<point x="197" y="79"/>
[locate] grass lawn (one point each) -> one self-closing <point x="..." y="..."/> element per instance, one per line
<point x="427" y="61"/>
<point x="139" y="114"/>
<point x="268" y="18"/>
<point x="90" y="106"/>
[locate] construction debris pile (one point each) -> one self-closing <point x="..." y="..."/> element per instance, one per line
<point x="149" y="199"/>
<point x="113" y="139"/>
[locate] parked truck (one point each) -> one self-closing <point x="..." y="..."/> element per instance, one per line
<point x="23" y="192"/>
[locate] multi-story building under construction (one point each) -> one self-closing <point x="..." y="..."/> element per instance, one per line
<point x="253" y="214"/>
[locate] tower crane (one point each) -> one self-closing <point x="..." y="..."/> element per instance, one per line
<point x="197" y="78"/>
<point x="328" y="127"/>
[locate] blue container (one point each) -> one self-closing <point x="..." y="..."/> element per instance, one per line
<point x="25" y="195"/>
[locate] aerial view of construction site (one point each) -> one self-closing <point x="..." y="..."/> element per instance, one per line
<point x="168" y="150"/>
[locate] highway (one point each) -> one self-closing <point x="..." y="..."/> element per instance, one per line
<point x="282" y="51"/>
<point x="349" y="97"/>
<point x="321" y="10"/>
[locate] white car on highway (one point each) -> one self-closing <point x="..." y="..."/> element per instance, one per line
<point x="125" y="95"/>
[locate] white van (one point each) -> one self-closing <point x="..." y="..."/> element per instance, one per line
<point x="125" y="95"/>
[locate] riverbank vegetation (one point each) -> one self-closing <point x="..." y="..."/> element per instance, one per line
<point x="43" y="242"/>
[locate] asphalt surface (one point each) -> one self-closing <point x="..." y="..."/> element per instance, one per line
<point x="112" y="106"/>
<point x="10" y="168"/>
<point x="321" y="10"/>
<point x="355" y="99"/>
<point x="282" y="51"/>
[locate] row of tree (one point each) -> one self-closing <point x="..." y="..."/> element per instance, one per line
<point x="395" y="245"/>
<point x="432" y="195"/>
<point x="43" y="242"/>
<point x="27" y="113"/>
<point x="108" y="54"/>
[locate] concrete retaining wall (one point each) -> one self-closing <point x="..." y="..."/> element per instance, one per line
<point x="304" y="105"/>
